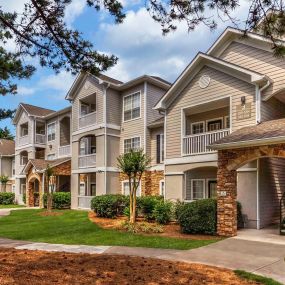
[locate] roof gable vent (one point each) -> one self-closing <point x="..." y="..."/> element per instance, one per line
<point x="204" y="81"/>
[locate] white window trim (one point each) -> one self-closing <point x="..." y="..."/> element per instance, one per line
<point x="212" y="120"/>
<point x="21" y="130"/>
<point x="225" y="120"/>
<point x="160" y="187"/>
<point x="54" y="131"/>
<point x="204" y="188"/>
<point x="196" y="123"/>
<point x="50" y="155"/>
<point x="21" y="159"/>
<point x="129" y="138"/>
<point x="127" y="181"/>
<point x="140" y="116"/>
<point x="162" y="148"/>
<point x="207" y="186"/>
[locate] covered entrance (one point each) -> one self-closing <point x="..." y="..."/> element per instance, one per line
<point x="251" y="170"/>
<point x="34" y="190"/>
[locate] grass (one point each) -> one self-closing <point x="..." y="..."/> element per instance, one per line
<point x="256" y="278"/>
<point x="74" y="227"/>
<point x="11" y="206"/>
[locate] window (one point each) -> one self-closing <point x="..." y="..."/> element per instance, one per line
<point x="197" y="128"/>
<point x="51" y="156"/>
<point x="198" y="189"/>
<point x="51" y="132"/>
<point x="24" y="130"/>
<point x="13" y="167"/>
<point x="227" y="123"/>
<point x="23" y="189"/>
<point x="126" y="188"/>
<point x="161" y="188"/>
<point x="23" y="158"/>
<point x="132" y="109"/>
<point x="214" y="125"/>
<point x="82" y="189"/>
<point x="93" y="189"/>
<point x="160" y="148"/>
<point x="132" y="143"/>
<point x="212" y="188"/>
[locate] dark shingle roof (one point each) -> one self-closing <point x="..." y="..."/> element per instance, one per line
<point x="270" y="130"/>
<point x="161" y="79"/>
<point x="7" y="147"/>
<point x="36" y="111"/>
<point x="109" y="79"/>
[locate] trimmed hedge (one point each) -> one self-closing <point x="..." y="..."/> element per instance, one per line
<point x="7" y="198"/>
<point x="146" y="206"/>
<point x="198" y="217"/>
<point x="163" y="212"/>
<point x="109" y="206"/>
<point x="60" y="200"/>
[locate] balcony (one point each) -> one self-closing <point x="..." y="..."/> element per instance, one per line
<point x="197" y="144"/>
<point x="87" y="120"/>
<point x="88" y="160"/>
<point x="64" y="151"/>
<point x="40" y="139"/>
<point x="24" y="140"/>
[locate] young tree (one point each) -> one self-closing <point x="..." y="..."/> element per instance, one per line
<point x="3" y="180"/>
<point x="49" y="174"/>
<point x="133" y="164"/>
<point x="6" y="134"/>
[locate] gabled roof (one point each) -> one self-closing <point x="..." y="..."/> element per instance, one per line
<point x="195" y="66"/>
<point x="40" y="165"/>
<point x="269" y="132"/>
<point x="156" y="123"/>
<point x="7" y="147"/>
<point x="115" y="84"/>
<point x="59" y="112"/>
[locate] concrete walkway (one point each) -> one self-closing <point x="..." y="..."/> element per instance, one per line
<point x="259" y="252"/>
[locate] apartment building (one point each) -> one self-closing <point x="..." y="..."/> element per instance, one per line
<point x="7" y="164"/>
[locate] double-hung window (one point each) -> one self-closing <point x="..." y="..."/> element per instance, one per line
<point x="198" y="189"/>
<point x="51" y="132"/>
<point x="126" y="188"/>
<point x="160" y="148"/>
<point x="198" y="128"/>
<point x="132" y="143"/>
<point x="132" y="106"/>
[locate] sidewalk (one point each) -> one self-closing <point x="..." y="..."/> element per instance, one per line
<point x="241" y="252"/>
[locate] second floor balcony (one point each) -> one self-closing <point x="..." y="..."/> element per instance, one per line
<point x="87" y="111"/>
<point x="87" y="152"/>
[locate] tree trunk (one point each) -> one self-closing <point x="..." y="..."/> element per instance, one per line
<point x="49" y="202"/>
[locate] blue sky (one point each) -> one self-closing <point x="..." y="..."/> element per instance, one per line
<point x="138" y="43"/>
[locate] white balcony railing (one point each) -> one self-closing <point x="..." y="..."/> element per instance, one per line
<point x="87" y="120"/>
<point x="24" y="140"/>
<point x="84" y="202"/>
<point x="40" y="139"/>
<point x="88" y="160"/>
<point x="64" y="150"/>
<point x="196" y="144"/>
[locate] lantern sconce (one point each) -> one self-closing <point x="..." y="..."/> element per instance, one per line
<point x="242" y="99"/>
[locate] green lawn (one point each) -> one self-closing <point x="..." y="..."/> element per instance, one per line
<point x="257" y="278"/>
<point x="11" y="206"/>
<point x="74" y="227"/>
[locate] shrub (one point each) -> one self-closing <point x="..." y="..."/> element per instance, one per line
<point x="141" y="227"/>
<point x="240" y="221"/>
<point x="163" y="212"/>
<point x="109" y="206"/>
<point x="60" y="200"/>
<point x="146" y="206"/>
<point x="198" y="217"/>
<point x="7" y="198"/>
<point x="24" y="198"/>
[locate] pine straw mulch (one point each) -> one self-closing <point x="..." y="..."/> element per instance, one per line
<point x="50" y="214"/>
<point x="22" y="267"/>
<point x="172" y="230"/>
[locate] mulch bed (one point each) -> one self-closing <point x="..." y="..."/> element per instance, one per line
<point x="52" y="214"/>
<point x="171" y="230"/>
<point x="24" y="267"/>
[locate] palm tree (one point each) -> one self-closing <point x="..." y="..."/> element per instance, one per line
<point x="133" y="164"/>
<point x="3" y="180"/>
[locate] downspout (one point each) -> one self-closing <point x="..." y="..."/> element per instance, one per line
<point x="105" y="136"/>
<point x="257" y="197"/>
<point x="258" y="92"/>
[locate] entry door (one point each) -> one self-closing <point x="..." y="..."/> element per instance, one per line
<point x="212" y="189"/>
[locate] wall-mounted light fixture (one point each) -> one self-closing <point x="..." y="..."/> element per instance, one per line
<point x="242" y="99"/>
<point x="50" y="146"/>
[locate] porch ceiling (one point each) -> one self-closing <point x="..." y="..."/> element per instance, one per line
<point x="269" y="132"/>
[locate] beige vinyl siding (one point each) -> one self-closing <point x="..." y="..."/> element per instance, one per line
<point x="113" y="147"/>
<point x="221" y="85"/>
<point x="52" y="146"/>
<point x="133" y="128"/>
<point x="272" y="109"/>
<point x="153" y="146"/>
<point x="272" y="185"/>
<point x="65" y="131"/>
<point x="6" y="166"/>
<point x="94" y="88"/>
<point x="220" y="113"/>
<point x="258" y="60"/>
<point x="24" y="118"/>
<point x="114" y="107"/>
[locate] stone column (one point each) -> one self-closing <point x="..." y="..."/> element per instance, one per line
<point x="227" y="193"/>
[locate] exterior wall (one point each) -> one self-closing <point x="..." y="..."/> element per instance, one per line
<point x="153" y="146"/>
<point x="272" y="109"/>
<point x="173" y="183"/>
<point x="272" y="185"/>
<point x="24" y="118"/>
<point x="113" y="147"/>
<point x="6" y="166"/>
<point x="114" y="109"/>
<point x="113" y="183"/>
<point x="136" y="127"/>
<point x="258" y="60"/>
<point x="221" y="85"/>
<point x="91" y="86"/>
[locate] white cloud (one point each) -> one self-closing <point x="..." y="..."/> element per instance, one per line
<point x="59" y="82"/>
<point x="73" y="10"/>
<point x="25" y="91"/>
<point x="12" y="5"/>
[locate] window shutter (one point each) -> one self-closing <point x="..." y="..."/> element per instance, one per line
<point x="158" y="149"/>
